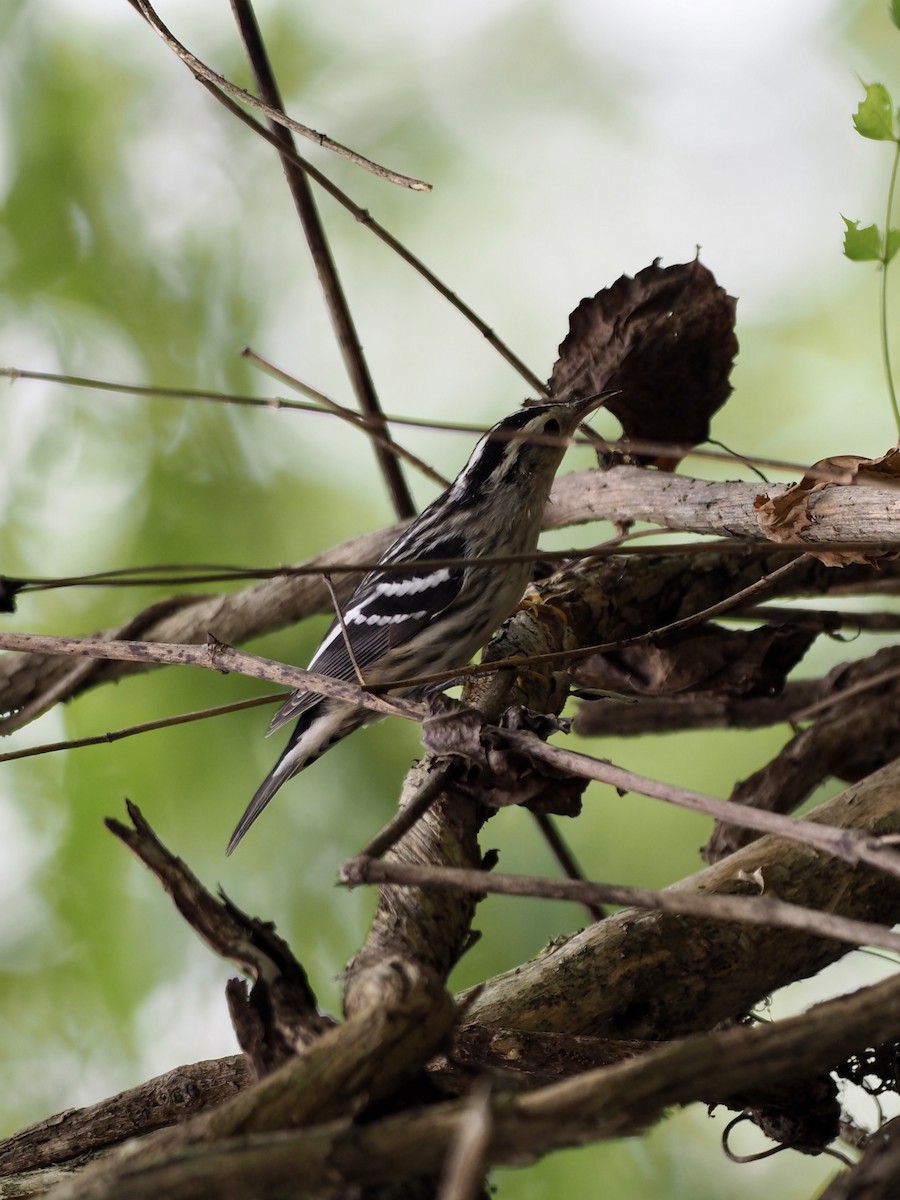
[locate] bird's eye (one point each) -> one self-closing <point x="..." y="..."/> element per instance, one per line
<point x="552" y="426"/>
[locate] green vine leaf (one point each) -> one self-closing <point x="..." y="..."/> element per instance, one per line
<point x="862" y="245"/>
<point x="894" y="10"/>
<point x="874" y="118"/>
<point x="892" y="245"/>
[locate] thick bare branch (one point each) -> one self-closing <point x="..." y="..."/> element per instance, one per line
<point x="156" y="1104"/>
<point x="605" y="1103"/>
<point x="860" y="513"/>
<point x="855" y="732"/>
<point x="877" y="1175"/>
<point x="652" y="975"/>
<point x="643" y="594"/>
<point x="279" y="1017"/>
<point x="232" y="617"/>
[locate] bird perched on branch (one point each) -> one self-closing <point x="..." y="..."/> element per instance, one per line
<point x="424" y="617"/>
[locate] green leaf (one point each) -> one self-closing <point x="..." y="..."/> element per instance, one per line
<point x="874" y="118"/>
<point x="861" y="245"/>
<point x="894" y="10"/>
<point x="893" y="244"/>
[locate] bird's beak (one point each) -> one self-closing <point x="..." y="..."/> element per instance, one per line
<point x="588" y="404"/>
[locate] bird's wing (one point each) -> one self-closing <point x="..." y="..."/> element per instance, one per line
<point x="385" y="611"/>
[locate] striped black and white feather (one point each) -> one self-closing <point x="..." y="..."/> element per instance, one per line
<point x="423" y="617"/>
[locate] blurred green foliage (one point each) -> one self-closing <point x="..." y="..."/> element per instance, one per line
<point x="144" y="237"/>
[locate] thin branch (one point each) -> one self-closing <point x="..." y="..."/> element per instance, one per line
<point x="564" y="856"/>
<point x="318" y="402"/>
<point x="851" y="845"/>
<point x="467" y="1154"/>
<point x="335" y="298"/>
<point x="183" y="574"/>
<point x="849" y="742"/>
<point x="280" y="1017"/>
<point x="406" y="817"/>
<point x="325" y="405"/>
<point x="364" y="218"/>
<point x="653" y="585"/>
<point x="671" y="713"/>
<point x="848" y="693"/>
<point x="339" y="616"/>
<point x="116" y="735"/>
<point x="829" y="620"/>
<point x="883" y="297"/>
<point x="252" y="945"/>
<point x="215" y="656"/>
<point x="202" y="72"/>
<point x="752" y="910"/>
<point x="760" y="586"/>
<point x="372" y="421"/>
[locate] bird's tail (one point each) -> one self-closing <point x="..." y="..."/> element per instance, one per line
<point x="279" y="774"/>
<point x="318" y="728"/>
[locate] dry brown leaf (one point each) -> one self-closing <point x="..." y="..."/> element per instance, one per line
<point x="708" y="661"/>
<point x="786" y="517"/>
<point x="496" y="776"/>
<point x="665" y="342"/>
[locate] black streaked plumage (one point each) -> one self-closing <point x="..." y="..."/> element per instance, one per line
<point x="432" y="618"/>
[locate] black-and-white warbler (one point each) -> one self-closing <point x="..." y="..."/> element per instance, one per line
<point x="421" y="618"/>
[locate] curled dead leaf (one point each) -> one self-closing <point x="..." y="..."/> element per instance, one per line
<point x="786" y="517"/>
<point x="708" y="661"/>
<point x="664" y="343"/>
<point x="496" y="776"/>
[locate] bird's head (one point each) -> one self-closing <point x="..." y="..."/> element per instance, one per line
<point x="521" y="454"/>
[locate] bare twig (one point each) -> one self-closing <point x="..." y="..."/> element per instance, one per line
<point x="339" y="617"/>
<point x="200" y="71"/>
<point x="375" y="426"/>
<point x="615" y="600"/>
<point x="853" y="847"/>
<point x="841" y="697"/>
<point x="276" y="1019"/>
<point x="850" y="845"/>
<point x="364" y="218"/>
<point x="829" y="620"/>
<point x="467" y="1155"/>
<point x="406" y="817"/>
<point x="849" y="741"/>
<point x="753" y="910"/>
<point x="181" y="574"/>
<point x="876" y="1175"/>
<point x="759" y="586"/>
<point x="215" y="657"/>
<point x="654" y="480"/>
<point x="564" y="856"/>
<point x="289" y="1012"/>
<point x="335" y="298"/>
<point x="707" y="710"/>
<point x="116" y="735"/>
<point x="318" y="403"/>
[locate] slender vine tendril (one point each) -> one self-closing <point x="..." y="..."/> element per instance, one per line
<point x="886" y="254"/>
